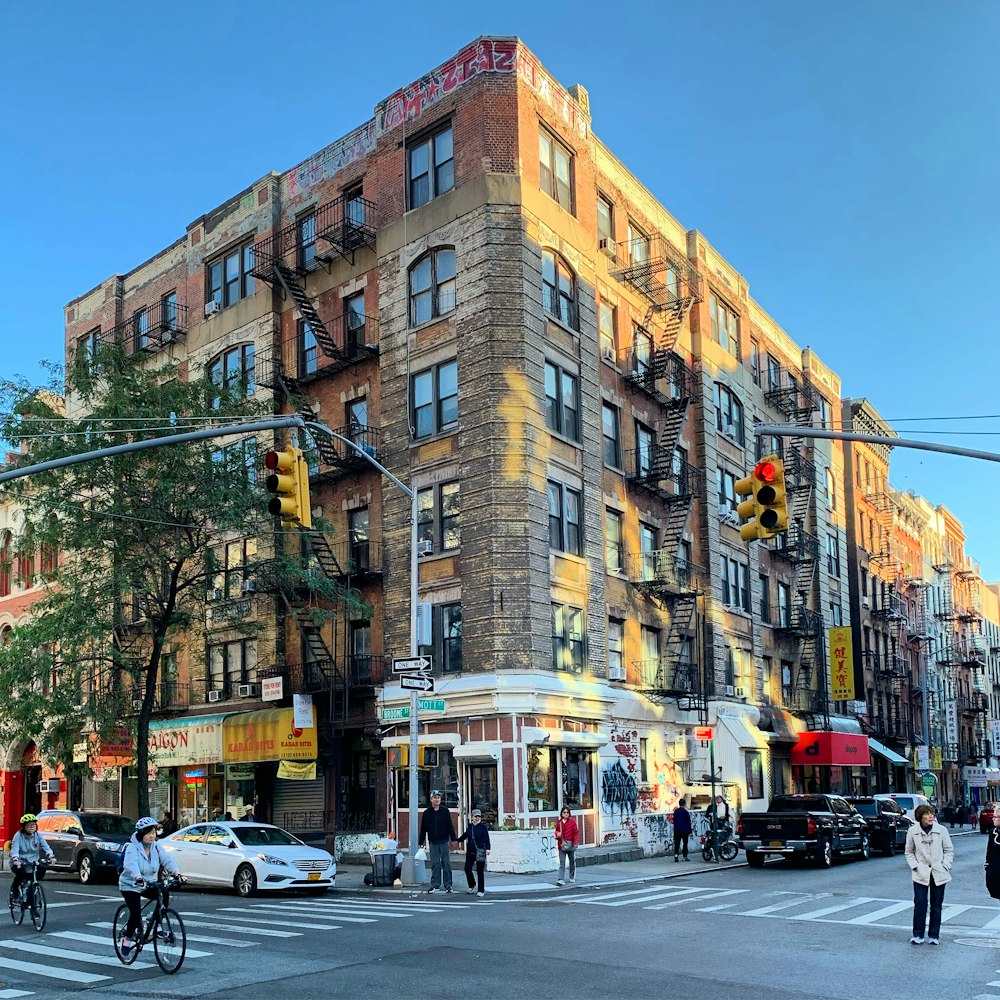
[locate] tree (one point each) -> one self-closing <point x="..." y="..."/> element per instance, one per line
<point x="135" y="535"/>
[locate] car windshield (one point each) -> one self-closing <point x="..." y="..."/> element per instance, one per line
<point x="265" y="836"/>
<point x="805" y="803"/>
<point x="866" y="808"/>
<point x="107" y="826"/>
<point x="904" y="801"/>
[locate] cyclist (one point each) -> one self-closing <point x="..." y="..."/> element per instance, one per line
<point x="25" y="849"/>
<point x="140" y="866"/>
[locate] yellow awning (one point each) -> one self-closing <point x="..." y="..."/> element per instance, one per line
<point x="267" y="735"/>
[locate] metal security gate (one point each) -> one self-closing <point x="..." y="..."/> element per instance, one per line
<point x="300" y="806"/>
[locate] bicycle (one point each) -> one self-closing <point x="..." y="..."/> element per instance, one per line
<point x="29" y="896"/>
<point x="728" y="848"/>
<point x="164" y="928"/>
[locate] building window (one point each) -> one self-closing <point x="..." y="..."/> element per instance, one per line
<point x="578" y="779"/>
<point x="562" y="402"/>
<point x="605" y="220"/>
<point x="168" y="311"/>
<point x="444" y="777"/>
<point x="435" y="400"/>
<point x="735" y="584"/>
<point x="638" y="245"/>
<point x="565" y="519"/>
<point x="773" y="373"/>
<point x="649" y="650"/>
<point x="649" y="543"/>
<point x="825" y="413"/>
<point x="446" y="637"/>
<point x="431" y="166"/>
<point x="616" y="649"/>
<point x="229" y="278"/>
<point x="755" y="361"/>
<point x="725" y="326"/>
<point x="232" y="663"/>
<point x="642" y="350"/>
<point x="308" y="350"/>
<point x="769" y="444"/>
<point x="643" y="760"/>
<point x="784" y="604"/>
<point x="831" y="490"/>
<point x="612" y="437"/>
<point x="606" y="328"/>
<point x="234" y="371"/>
<point x="230" y="567"/>
<point x="305" y="241"/>
<point x="568" y="643"/>
<point x="645" y="449"/>
<point x="614" y="543"/>
<point x="432" y="285"/>
<point x="140" y="330"/>
<point x="728" y="413"/>
<point x="437" y="516"/>
<point x="833" y="555"/>
<point x="559" y="289"/>
<point x="726" y="483"/>
<point x="835" y="616"/>
<point x="87" y="347"/>
<point x="354" y="322"/>
<point x="765" y="599"/>
<point x="755" y="774"/>
<point x="555" y="169"/>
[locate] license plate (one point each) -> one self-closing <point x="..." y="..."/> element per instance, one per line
<point x="776" y="843"/>
<point x="314" y="876"/>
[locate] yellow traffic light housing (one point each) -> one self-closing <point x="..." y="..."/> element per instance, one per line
<point x="398" y="757"/>
<point x="289" y="482"/>
<point x="766" y="511"/>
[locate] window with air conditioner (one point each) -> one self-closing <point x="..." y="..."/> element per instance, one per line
<point x="438" y="509"/>
<point x="725" y="329"/>
<point x="616" y="649"/>
<point x="606" y="317"/>
<point x="605" y="225"/>
<point x="229" y="278"/>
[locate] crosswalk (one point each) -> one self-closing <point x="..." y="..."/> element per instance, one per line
<point x="802" y="907"/>
<point x="85" y="957"/>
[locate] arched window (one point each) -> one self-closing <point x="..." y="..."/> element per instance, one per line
<point x="5" y="564"/>
<point x="234" y="371"/>
<point x="26" y="559"/>
<point x="559" y="289"/>
<point x="432" y="285"/>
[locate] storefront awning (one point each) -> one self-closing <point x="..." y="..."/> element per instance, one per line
<point x="178" y="742"/>
<point x="831" y="749"/>
<point x="267" y="735"/>
<point x="883" y="751"/>
<point x="532" y="735"/>
<point x="480" y="750"/>
<point x="778" y="724"/>
<point x="424" y="740"/>
<point x="746" y="735"/>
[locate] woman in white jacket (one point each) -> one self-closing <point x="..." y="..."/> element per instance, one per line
<point x="930" y="855"/>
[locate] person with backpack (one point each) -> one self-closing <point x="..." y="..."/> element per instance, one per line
<point x="27" y="847"/>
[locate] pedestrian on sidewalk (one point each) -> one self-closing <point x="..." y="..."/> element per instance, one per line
<point x="568" y="840"/>
<point x="993" y="857"/>
<point x="437" y="829"/>
<point x="477" y="847"/>
<point x="682" y="830"/>
<point x="930" y="855"/>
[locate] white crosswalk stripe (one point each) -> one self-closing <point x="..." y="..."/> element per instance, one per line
<point x="238" y="915"/>
<point x="715" y="894"/>
<point x="12" y="994"/>
<point x="88" y="958"/>
<point x="191" y="920"/>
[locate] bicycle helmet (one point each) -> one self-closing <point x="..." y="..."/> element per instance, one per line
<point x="29" y="818"/>
<point x="144" y="824"/>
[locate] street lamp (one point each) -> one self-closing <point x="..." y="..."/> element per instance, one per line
<point x="409" y="867"/>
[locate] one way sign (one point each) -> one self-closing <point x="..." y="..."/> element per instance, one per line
<point x="414" y="682"/>
<point x="412" y="665"/>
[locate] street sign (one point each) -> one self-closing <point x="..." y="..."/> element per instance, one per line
<point x="703" y="733"/>
<point x="416" y="682"/>
<point x="424" y="705"/>
<point x="410" y="665"/>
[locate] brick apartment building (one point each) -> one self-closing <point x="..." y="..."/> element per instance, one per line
<point x="474" y="289"/>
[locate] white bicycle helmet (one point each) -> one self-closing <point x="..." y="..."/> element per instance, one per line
<point x="144" y="824"/>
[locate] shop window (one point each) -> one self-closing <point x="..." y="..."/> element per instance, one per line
<point x="444" y="777"/>
<point x="577" y="780"/>
<point x="484" y="792"/>
<point x="755" y="775"/>
<point x="542" y="780"/>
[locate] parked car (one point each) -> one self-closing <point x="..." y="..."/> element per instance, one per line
<point x="887" y="822"/>
<point x="812" y="826"/>
<point x="986" y="817"/>
<point x="250" y="857"/>
<point x="907" y="801"/>
<point x="87" y="843"/>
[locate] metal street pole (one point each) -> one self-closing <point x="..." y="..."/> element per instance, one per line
<point x="715" y="807"/>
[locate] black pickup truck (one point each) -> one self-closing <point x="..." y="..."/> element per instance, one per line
<point x="812" y="826"/>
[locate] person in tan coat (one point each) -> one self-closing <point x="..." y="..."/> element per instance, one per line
<point x="930" y="855"/>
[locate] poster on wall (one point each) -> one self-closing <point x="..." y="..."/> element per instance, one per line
<point x="302" y="710"/>
<point x="841" y="664"/>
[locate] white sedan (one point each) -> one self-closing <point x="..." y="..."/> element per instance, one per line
<point x="249" y="857"/>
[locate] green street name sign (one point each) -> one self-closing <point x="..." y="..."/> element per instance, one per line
<point x="423" y="705"/>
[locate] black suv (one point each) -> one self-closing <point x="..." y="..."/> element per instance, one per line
<point x="88" y="843"/>
<point x="887" y="822"/>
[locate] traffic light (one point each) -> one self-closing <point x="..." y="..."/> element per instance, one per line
<point x="398" y="757"/>
<point x="766" y="512"/>
<point x="289" y="482"/>
<point x="428" y="757"/>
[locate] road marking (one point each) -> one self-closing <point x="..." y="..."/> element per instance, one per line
<point x="814" y="914"/>
<point x="694" y="899"/>
<point x="231" y="914"/>
<point x="11" y="994"/>
<point x="631" y="892"/>
<point x="950" y="910"/>
<point x="190" y="920"/>
<point x="73" y="956"/>
<point x="189" y="953"/>
<point x="648" y="897"/>
<point x="885" y="911"/>
<point x="993" y="925"/>
<point x="96" y="939"/>
<point x="336" y="909"/>
<point x="50" y="972"/>
<point x="89" y="895"/>
<point x="764" y="911"/>
<point x="712" y="909"/>
<point x="80" y="902"/>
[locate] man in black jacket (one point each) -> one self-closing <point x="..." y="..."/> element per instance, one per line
<point x="437" y="829"/>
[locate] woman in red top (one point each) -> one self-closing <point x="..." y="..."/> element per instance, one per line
<point x="568" y="839"/>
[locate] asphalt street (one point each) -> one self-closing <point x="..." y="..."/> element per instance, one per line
<point x="787" y="932"/>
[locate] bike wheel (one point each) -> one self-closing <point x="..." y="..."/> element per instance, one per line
<point x="118" y="932"/>
<point x="39" y="909"/>
<point x="729" y="850"/>
<point x="706" y="854"/>
<point x="169" y="941"/>
<point x="16" y="909"/>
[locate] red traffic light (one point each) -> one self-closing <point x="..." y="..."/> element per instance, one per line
<point x="765" y="472"/>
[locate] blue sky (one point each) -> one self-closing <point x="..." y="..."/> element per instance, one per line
<point x="843" y="157"/>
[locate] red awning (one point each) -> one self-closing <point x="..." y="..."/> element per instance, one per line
<point x="838" y="749"/>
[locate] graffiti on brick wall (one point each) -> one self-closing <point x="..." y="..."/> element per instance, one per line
<point x="529" y="71"/>
<point x="327" y="162"/>
<point x="485" y="56"/>
<point x="619" y="792"/>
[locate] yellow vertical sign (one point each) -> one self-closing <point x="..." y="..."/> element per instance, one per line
<point x="841" y="664"/>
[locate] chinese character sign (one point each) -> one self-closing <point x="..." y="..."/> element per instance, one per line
<point x="841" y="664"/>
<point x="995" y="736"/>
<point x="951" y="722"/>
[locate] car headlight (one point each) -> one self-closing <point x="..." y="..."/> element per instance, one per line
<point x="270" y="859"/>
<point x="107" y="846"/>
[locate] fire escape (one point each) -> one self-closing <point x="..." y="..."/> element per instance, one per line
<point x="794" y="397"/>
<point x="891" y="672"/>
<point x="670" y="284"/>
<point x="342" y="227"/>
<point x="150" y="329"/>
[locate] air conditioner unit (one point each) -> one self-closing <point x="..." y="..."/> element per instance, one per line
<point x="215" y="594"/>
<point x="213" y="307"/>
<point x="249" y="587"/>
<point x="865" y="602"/>
<point x="425" y="548"/>
<point x="740" y="693"/>
<point x="616" y="673"/>
<point x="247" y="690"/>
<point x="730" y="691"/>
<point x="137" y="704"/>
<point x="607" y="246"/>
<point x="729" y="431"/>
<point x="215" y="695"/>
<point x="608" y="354"/>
